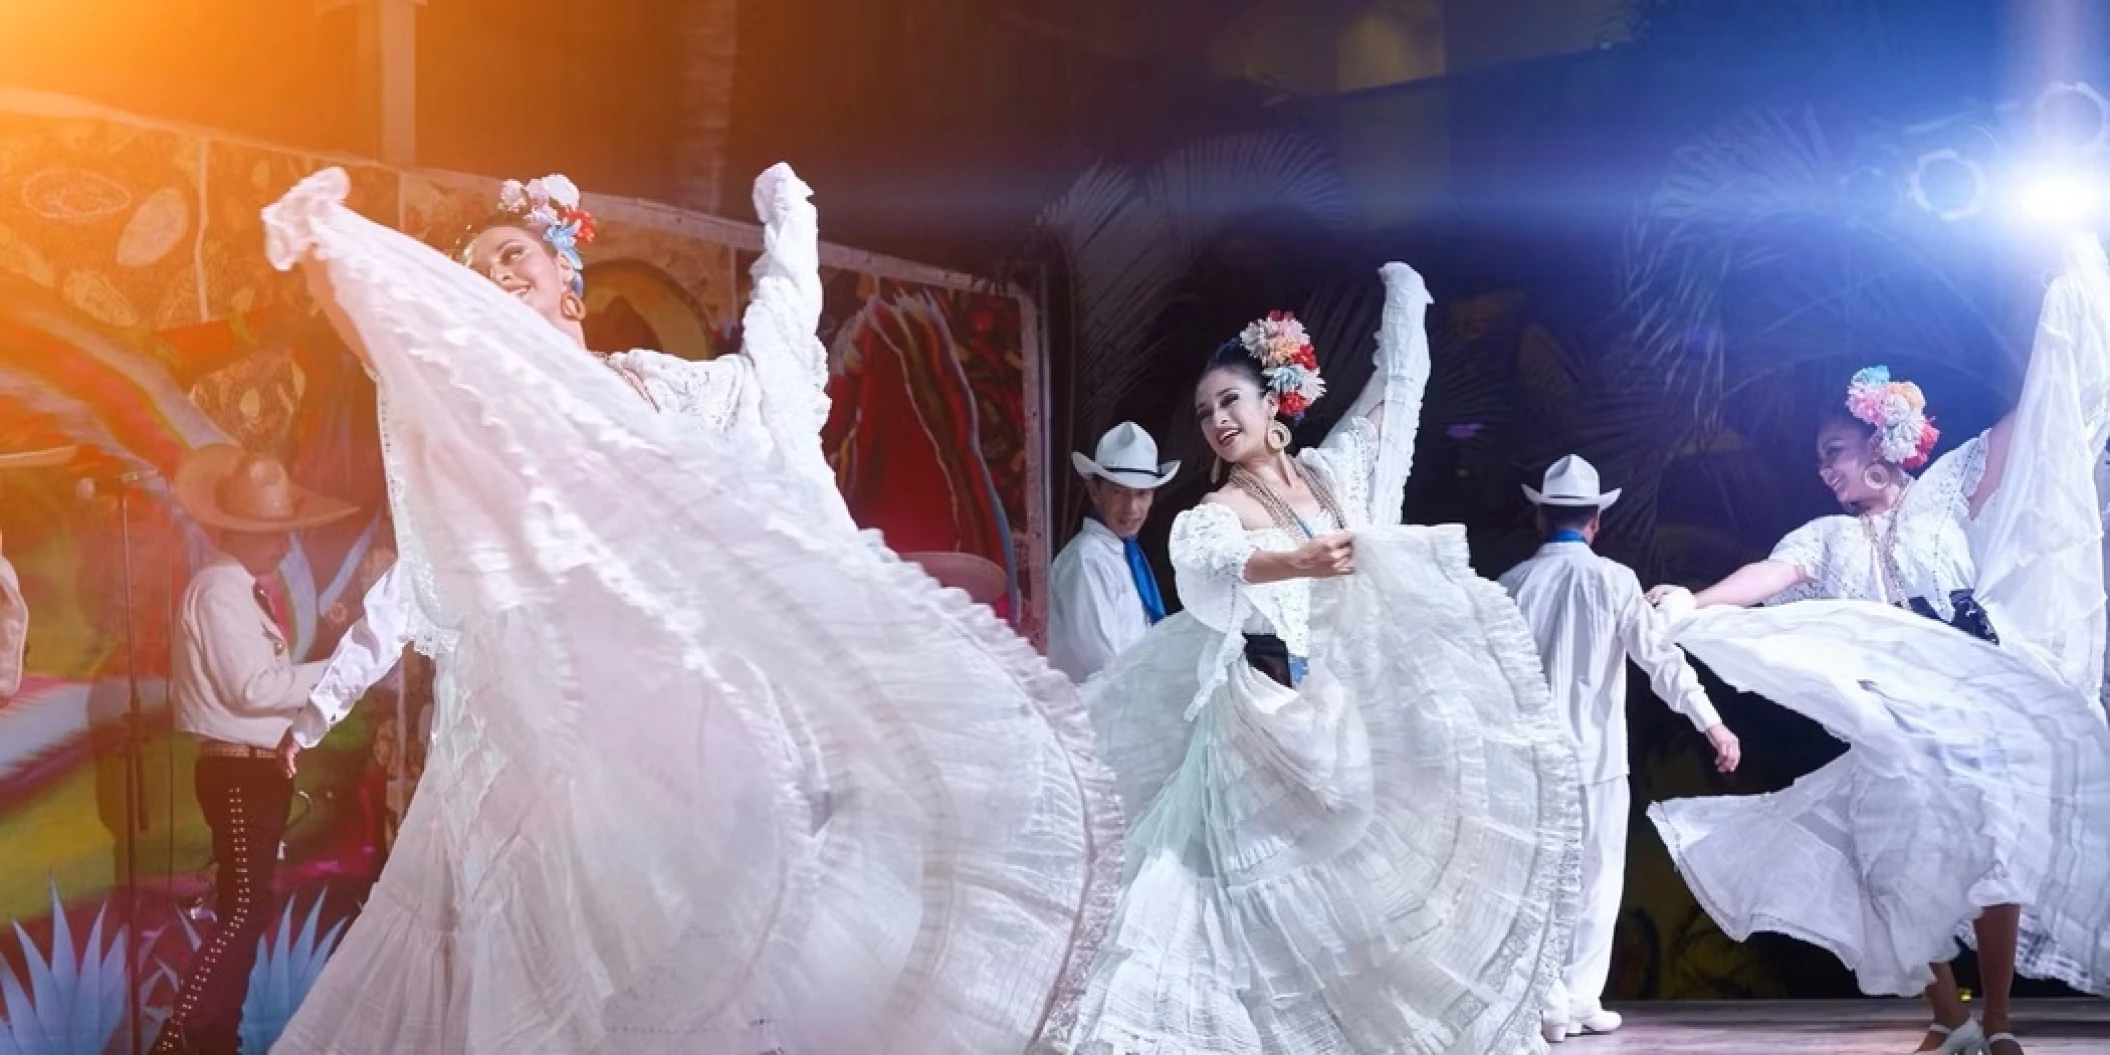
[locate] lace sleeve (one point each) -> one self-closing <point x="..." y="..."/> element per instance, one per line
<point x="1371" y="452"/>
<point x="708" y="392"/>
<point x="1209" y="553"/>
<point x="1950" y="482"/>
<point x="2084" y="291"/>
<point x="1809" y="550"/>
<point x="1804" y="547"/>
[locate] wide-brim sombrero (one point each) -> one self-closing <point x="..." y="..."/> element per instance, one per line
<point x="284" y="506"/>
<point x="50" y="457"/>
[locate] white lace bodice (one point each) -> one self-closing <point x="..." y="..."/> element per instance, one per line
<point x="1210" y="546"/>
<point x="1925" y="535"/>
<point x="714" y="394"/>
<point x="1209" y="552"/>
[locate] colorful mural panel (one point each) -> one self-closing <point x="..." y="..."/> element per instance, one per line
<point x="139" y="320"/>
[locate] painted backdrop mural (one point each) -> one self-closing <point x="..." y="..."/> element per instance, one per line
<point x="139" y="320"/>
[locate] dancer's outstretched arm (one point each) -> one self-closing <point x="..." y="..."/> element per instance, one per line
<point x="1391" y="403"/>
<point x="367" y="653"/>
<point x="1752" y="584"/>
<point x="1402" y="357"/>
<point x="2077" y="312"/>
<point x="780" y="330"/>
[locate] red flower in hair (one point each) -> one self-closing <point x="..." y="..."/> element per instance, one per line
<point x="1929" y="436"/>
<point x="586" y="228"/>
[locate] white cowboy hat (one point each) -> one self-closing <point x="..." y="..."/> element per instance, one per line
<point x="43" y="459"/>
<point x="979" y="578"/>
<point x="1572" y="482"/>
<point x="1129" y="457"/>
<point x="226" y="487"/>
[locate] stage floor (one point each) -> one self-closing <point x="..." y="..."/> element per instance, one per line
<point x="1836" y="1027"/>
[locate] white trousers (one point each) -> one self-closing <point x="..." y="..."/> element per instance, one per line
<point x="1604" y="820"/>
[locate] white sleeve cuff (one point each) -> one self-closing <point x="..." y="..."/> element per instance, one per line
<point x="1701" y="709"/>
<point x="310" y="726"/>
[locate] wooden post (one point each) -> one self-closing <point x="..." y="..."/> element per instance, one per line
<point x="388" y="75"/>
<point x="709" y="33"/>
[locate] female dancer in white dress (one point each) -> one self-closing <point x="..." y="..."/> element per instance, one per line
<point x="657" y="636"/>
<point x="1353" y="811"/>
<point x="1974" y="798"/>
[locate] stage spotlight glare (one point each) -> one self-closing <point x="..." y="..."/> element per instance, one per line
<point x="2073" y="119"/>
<point x="1949" y="185"/>
<point x="1869" y="193"/>
<point x="2063" y="198"/>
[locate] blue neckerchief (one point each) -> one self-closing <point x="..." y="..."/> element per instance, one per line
<point x="1145" y="579"/>
<point x="1567" y="535"/>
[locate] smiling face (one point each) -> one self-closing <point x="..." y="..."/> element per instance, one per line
<point x="1845" y="453"/>
<point x="1122" y="509"/>
<point x="524" y="265"/>
<point x="1234" y="413"/>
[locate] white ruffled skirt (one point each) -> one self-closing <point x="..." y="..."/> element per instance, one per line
<point x="1380" y="861"/>
<point x="1976" y="775"/>
<point x="711" y="772"/>
<point x="1973" y="779"/>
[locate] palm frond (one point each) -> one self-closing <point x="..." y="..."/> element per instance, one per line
<point x="1342" y="318"/>
<point x="1750" y="256"/>
<point x="1128" y="238"/>
<point x="1752" y="285"/>
<point x="1473" y="359"/>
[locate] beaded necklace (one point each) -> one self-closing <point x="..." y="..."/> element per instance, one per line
<point x="1885" y="547"/>
<point x="1278" y="508"/>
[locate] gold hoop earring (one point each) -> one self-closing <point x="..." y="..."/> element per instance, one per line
<point x="1278" y="437"/>
<point x="573" y="307"/>
<point x="1875" y="478"/>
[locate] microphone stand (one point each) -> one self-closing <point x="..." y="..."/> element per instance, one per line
<point x="136" y="811"/>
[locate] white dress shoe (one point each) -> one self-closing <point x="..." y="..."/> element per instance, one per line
<point x="1601" y="1021"/>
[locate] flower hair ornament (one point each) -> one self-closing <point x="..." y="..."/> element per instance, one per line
<point x="1288" y="363"/>
<point x="1897" y="411"/>
<point x="550" y="207"/>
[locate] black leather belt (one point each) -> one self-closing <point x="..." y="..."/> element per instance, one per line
<point x="223" y="749"/>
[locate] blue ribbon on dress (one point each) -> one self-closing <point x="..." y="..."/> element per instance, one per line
<point x="1566" y="535"/>
<point x="1145" y="579"/>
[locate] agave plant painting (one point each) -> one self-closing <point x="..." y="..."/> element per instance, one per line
<point x="286" y="968"/>
<point x="289" y="958"/>
<point x="72" y="996"/>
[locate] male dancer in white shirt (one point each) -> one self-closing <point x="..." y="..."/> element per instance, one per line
<point x="235" y="690"/>
<point x="1589" y="618"/>
<point x="14" y="610"/>
<point x="14" y="630"/>
<point x="1102" y="594"/>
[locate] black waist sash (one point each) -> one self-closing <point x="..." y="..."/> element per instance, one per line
<point x="1267" y="654"/>
<point x="1970" y="617"/>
